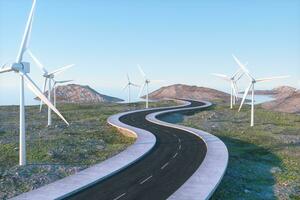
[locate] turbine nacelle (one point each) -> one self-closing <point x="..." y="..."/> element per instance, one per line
<point x="46" y="75"/>
<point x="16" y="67"/>
<point x="23" y="66"/>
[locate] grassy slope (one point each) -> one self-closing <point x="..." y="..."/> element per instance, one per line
<point x="58" y="151"/>
<point x="264" y="160"/>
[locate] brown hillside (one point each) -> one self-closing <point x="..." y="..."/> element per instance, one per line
<point x="191" y="92"/>
<point x="74" y="93"/>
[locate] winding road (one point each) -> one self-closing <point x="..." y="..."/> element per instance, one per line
<point x="175" y="157"/>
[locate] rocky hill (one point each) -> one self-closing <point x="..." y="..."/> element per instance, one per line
<point x="277" y="92"/>
<point x="187" y="91"/>
<point x="287" y="99"/>
<point x="74" y="93"/>
<point x="283" y="92"/>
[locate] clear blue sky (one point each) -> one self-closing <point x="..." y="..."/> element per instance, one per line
<point x="178" y="41"/>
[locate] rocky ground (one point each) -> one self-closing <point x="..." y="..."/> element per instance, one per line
<point x="264" y="161"/>
<point x="58" y="151"/>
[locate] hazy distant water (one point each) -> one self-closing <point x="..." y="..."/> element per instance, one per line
<point x="260" y="99"/>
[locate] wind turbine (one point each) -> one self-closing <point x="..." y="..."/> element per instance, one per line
<point x="233" y="84"/>
<point x="54" y="88"/>
<point x="23" y="68"/>
<point x="251" y="86"/>
<point x="145" y="84"/>
<point x="49" y="77"/>
<point x="128" y="85"/>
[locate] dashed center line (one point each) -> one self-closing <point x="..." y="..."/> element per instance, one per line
<point x="145" y="180"/>
<point x="179" y="147"/>
<point x="118" y="197"/>
<point x="179" y="140"/>
<point x="164" y="166"/>
<point x="175" y="155"/>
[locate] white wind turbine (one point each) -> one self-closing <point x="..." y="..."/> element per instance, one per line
<point x="233" y="84"/>
<point x="128" y="85"/>
<point x="251" y="86"/>
<point x="23" y="68"/>
<point x="54" y="88"/>
<point x="146" y="84"/>
<point x="49" y="78"/>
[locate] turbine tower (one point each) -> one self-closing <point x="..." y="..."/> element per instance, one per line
<point x="128" y="85"/>
<point x="146" y="84"/>
<point x="251" y="86"/>
<point x="233" y="84"/>
<point x="23" y="68"/>
<point x="49" y="78"/>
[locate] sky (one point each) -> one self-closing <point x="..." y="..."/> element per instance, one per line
<point x="176" y="41"/>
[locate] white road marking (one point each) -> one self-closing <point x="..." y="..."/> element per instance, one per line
<point x="118" y="197"/>
<point x="175" y="155"/>
<point x="179" y="140"/>
<point x="164" y="166"/>
<point x="179" y="146"/>
<point x="142" y="182"/>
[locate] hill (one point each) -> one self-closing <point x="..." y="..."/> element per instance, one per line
<point x="278" y="92"/>
<point x="187" y="91"/>
<point x="74" y="93"/>
<point x="287" y="100"/>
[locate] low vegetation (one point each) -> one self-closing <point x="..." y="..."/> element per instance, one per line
<point x="264" y="160"/>
<point x="57" y="151"/>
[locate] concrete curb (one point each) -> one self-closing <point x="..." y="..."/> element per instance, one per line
<point x="203" y="183"/>
<point x="85" y="178"/>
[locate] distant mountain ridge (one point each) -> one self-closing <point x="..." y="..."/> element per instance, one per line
<point x="191" y="92"/>
<point x="74" y="93"/>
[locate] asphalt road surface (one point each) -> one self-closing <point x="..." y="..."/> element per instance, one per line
<point x="175" y="157"/>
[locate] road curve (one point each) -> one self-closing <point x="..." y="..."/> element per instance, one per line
<point x="175" y="157"/>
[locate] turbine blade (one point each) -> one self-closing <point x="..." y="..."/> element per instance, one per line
<point x="27" y="33"/>
<point x="240" y="76"/>
<point x="37" y="62"/>
<point x="135" y="85"/>
<point x="126" y="86"/>
<point x="245" y="95"/>
<point x="234" y="89"/>
<point x="58" y="71"/>
<point x="141" y="71"/>
<point x="5" y="69"/>
<point x="44" y="90"/>
<point x="271" y="78"/>
<point x="222" y="76"/>
<point x="66" y="81"/>
<point x="142" y="89"/>
<point x="32" y="86"/>
<point x="236" y="73"/>
<point x="128" y="78"/>
<point x="246" y="71"/>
